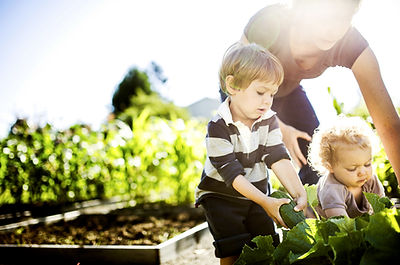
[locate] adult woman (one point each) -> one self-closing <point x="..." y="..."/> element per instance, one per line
<point x="307" y="38"/>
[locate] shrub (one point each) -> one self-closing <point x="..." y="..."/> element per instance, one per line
<point x="157" y="159"/>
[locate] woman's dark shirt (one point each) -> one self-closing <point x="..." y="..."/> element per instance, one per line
<point x="269" y="28"/>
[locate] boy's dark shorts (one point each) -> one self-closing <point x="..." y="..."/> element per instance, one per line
<point x="235" y="222"/>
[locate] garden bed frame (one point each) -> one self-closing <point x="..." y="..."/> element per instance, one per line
<point x="14" y="254"/>
<point x="106" y="254"/>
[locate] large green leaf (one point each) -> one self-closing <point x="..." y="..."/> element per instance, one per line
<point x="260" y="255"/>
<point x="378" y="203"/>
<point x="312" y="197"/>
<point x="362" y="221"/>
<point x="300" y="241"/>
<point x="345" y="224"/>
<point x="326" y="229"/>
<point x="383" y="231"/>
<point x="348" y="247"/>
<point x="318" y="254"/>
<point x="373" y="256"/>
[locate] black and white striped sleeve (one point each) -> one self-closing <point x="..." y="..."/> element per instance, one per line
<point x="220" y="151"/>
<point x="275" y="150"/>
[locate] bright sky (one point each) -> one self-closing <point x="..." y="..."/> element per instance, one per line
<point x="60" y="61"/>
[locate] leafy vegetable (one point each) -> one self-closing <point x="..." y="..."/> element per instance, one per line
<point x="261" y="254"/>
<point x="287" y="212"/>
<point x="378" y="203"/>
<point x="312" y="197"/>
<point x="367" y="240"/>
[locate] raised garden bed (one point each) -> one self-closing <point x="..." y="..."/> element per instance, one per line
<point x="17" y="215"/>
<point x="146" y="234"/>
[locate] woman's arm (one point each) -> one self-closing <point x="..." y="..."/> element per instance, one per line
<point x="335" y="212"/>
<point x="269" y="204"/>
<point x="380" y="106"/>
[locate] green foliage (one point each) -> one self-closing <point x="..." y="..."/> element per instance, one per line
<point x="156" y="160"/>
<point x="386" y="174"/>
<point x="364" y="240"/>
<point x="262" y="254"/>
<point x="338" y="106"/>
<point x="378" y="203"/>
<point x="155" y="105"/>
<point x="149" y="151"/>
<point x="135" y="93"/>
<point x="312" y="198"/>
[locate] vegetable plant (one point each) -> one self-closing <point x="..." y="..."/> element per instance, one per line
<point x="151" y="159"/>
<point x="287" y="212"/>
<point x="366" y="240"/>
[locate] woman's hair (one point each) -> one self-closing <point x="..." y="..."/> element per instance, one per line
<point x="249" y="62"/>
<point x="302" y="3"/>
<point x="343" y="131"/>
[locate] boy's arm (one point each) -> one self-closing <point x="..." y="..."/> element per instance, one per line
<point x="287" y="175"/>
<point x="269" y="204"/>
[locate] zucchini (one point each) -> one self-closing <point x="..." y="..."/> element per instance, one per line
<point x="287" y="212"/>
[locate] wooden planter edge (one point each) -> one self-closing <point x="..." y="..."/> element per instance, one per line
<point x="103" y="254"/>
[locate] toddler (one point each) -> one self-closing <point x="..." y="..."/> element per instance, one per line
<point x="342" y="154"/>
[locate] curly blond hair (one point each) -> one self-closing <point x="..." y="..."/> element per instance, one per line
<point x="327" y="139"/>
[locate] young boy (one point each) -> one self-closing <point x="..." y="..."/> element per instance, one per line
<point x="342" y="154"/>
<point x="244" y="139"/>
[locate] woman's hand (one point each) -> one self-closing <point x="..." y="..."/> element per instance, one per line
<point x="289" y="138"/>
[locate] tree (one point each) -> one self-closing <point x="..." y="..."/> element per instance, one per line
<point x="136" y="93"/>
<point x="134" y="81"/>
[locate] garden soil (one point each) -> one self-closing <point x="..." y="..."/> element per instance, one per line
<point x="149" y="224"/>
<point x="141" y="225"/>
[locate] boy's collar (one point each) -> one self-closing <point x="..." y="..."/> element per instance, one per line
<point x="225" y="112"/>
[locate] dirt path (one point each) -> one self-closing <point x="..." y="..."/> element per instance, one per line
<point x="203" y="254"/>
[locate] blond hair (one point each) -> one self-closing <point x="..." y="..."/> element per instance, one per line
<point x="249" y="62"/>
<point x="326" y="141"/>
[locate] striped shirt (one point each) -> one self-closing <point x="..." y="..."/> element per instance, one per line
<point x="234" y="149"/>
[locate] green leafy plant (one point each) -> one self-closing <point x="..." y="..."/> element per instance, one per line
<point x="287" y="212"/>
<point x="363" y="240"/>
<point x="156" y="159"/>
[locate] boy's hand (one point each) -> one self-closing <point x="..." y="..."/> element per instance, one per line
<point x="301" y="203"/>
<point x="271" y="206"/>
